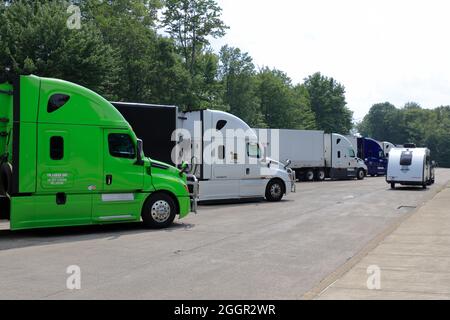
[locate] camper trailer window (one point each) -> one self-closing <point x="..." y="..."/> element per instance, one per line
<point x="121" y="146"/>
<point x="406" y="158"/>
<point x="253" y="150"/>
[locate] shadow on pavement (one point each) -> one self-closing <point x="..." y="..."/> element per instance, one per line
<point x="38" y="237"/>
<point x="416" y="189"/>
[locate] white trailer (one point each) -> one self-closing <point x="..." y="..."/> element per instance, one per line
<point x="410" y="166"/>
<point x="315" y="155"/>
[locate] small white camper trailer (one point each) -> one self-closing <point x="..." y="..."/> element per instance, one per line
<point x="410" y="166"/>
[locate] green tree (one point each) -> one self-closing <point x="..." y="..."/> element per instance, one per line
<point x="282" y="106"/>
<point x="329" y="104"/>
<point x="151" y="71"/>
<point x="35" y="39"/>
<point x="237" y="74"/>
<point x="206" y="91"/>
<point x="191" y="23"/>
<point x="302" y="108"/>
<point x="412" y="123"/>
<point x="383" y="123"/>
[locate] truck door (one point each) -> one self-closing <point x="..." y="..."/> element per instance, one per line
<point x="227" y="171"/>
<point x="252" y="185"/>
<point x="122" y="179"/>
<point x="342" y="162"/>
<point x="339" y="153"/>
<point x="65" y="169"/>
<point x="121" y="173"/>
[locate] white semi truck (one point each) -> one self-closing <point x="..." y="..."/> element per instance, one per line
<point x="314" y="155"/>
<point x="222" y="150"/>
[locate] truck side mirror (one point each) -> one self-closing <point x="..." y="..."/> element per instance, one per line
<point x="184" y="168"/>
<point x="288" y="163"/>
<point x="140" y="151"/>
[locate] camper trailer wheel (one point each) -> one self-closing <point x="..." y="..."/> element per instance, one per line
<point x="159" y="211"/>
<point x="392" y="185"/>
<point x="275" y="190"/>
<point x="320" y="175"/>
<point x="309" y="175"/>
<point x="5" y="178"/>
<point x="361" y="174"/>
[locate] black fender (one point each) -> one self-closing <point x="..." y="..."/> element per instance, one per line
<point x="6" y="172"/>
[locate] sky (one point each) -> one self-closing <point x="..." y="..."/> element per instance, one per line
<point x="383" y="50"/>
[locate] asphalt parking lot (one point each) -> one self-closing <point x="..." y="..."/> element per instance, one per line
<point x="254" y="250"/>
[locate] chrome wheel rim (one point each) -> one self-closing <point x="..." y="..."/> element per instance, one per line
<point x="160" y="211"/>
<point x="275" y="190"/>
<point x="321" y="175"/>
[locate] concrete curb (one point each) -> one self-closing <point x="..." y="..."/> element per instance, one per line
<point x="346" y="267"/>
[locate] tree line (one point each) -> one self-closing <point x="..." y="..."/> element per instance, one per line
<point x="158" y="51"/>
<point x="411" y="124"/>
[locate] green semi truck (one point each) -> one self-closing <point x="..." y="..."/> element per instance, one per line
<point x="69" y="158"/>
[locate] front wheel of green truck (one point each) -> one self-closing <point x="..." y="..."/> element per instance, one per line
<point x="159" y="211"/>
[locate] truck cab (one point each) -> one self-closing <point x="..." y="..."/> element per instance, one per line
<point x="69" y="158"/>
<point x="341" y="159"/>
<point x="229" y="160"/>
<point x="372" y="153"/>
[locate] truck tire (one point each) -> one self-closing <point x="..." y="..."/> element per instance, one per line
<point x="5" y="178"/>
<point x="159" y="211"/>
<point x="275" y="190"/>
<point x="361" y="174"/>
<point x="309" y="175"/>
<point x="392" y="185"/>
<point x="320" y="175"/>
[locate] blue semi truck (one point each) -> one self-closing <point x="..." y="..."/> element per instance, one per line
<point x="372" y="153"/>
